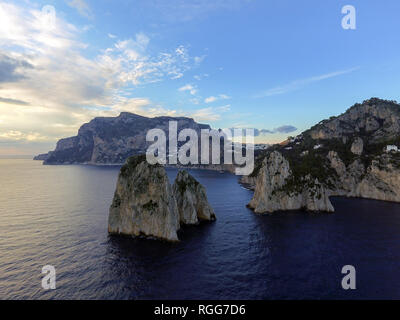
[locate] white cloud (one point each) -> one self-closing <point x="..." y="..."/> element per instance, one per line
<point x="209" y="114"/>
<point x="13" y="135"/>
<point x="216" y="98"/>
<point x="80" y="88"/>
<point x="112" y="36"/>
<point x="199" y="77"/>
<point x="302" y="82"/>
<point x="225" y="108"/>
<point x="200" y="59"/>
<point x="130" y="63"/>
<point x="48" y="88"/>
<point x="192" y="90"/>
<point x="210" y="99"/>
<point x="82" y="7"/>
<point x="205" y="114"/>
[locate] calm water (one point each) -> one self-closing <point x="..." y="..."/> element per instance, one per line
<point x="57" y="215"/>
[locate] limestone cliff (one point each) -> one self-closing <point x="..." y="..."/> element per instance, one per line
<point x="145" y="204"/>
<point x="342" y="156"/>
<point x="191" y="199"/>
<point x="273" y="191"/>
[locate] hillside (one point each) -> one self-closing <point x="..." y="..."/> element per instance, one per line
<point x="353" y="154"/>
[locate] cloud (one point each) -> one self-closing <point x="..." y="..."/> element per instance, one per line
<point x="285" y="129"/>
<point x="263" y="132"/>
<point x="205" y="114"/>
<point x="110" y="35"/>
<point x="208" y="114"/>
<point x="225" y="108"/>
<point x="14" y="135"/>
<point x="14" y="101"/>
<point x="82" y="7"/>
<point x="216" y="98"/>
<point x="192" y="90"/>
<point x="45" y="72"/>
<point x="199" y="60"/>
<point x="11" y="69"/>
<point x="295" y="85"/>
<point x="129" y="62"/>
<point x="199" y="77"/>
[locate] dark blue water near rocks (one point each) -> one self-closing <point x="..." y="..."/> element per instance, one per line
<point x="57" y="215"/>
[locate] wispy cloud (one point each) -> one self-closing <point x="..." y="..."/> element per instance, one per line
<point x="209" y="114"/>
<point x="14" y="101"/>
<point x="190" y="88"/>
<point x="262" y="132"/>
<point x="82" y="7"/>
<point x="130" y="62"/>
<point x="216" y="98"/>
<point x="297" y="84"/>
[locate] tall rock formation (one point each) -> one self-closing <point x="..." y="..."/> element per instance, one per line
<point x="145" y="204"/>
<point x="191" y="199"/>
<point x="342" y="156"/>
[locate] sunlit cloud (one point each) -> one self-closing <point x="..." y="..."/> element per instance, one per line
<point x="49" y="88"/>
<point x="190" y="88"/>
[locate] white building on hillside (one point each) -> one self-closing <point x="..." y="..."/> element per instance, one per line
<point x="390" y="148"/>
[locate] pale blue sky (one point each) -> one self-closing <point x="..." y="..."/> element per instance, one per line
<point x="250" y="63"/>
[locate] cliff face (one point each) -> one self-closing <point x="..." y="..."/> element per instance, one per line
<point x="111" y="140"/>
<point x="145" y="204"/>
<point x="343" y="156"/>
<point x="272" y="192"/>
<point x="191" y="199"/>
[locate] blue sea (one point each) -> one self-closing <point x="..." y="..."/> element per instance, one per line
<point x="57" y="215"/>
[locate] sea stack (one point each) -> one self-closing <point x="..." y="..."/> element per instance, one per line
<point x="145" y="203"/>
<point x="191" y="199"/>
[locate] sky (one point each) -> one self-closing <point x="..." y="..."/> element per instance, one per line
<point x="279" y="66"/>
